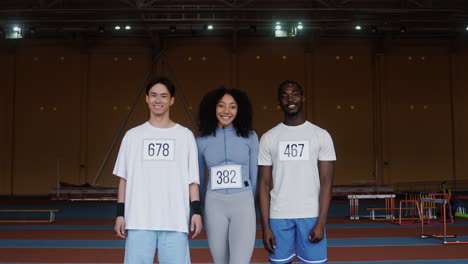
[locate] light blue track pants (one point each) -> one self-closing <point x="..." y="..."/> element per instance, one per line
<point x="141" y="245"/>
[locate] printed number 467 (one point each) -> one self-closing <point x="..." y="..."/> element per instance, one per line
<point x="294" y="150"/>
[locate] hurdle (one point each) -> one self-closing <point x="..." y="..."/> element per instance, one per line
<point x="432" y="214"/>
<point x="408" y="213"/>
<point x="443" y="201"/>
<point x="354" y="204"/>
<point x="50" y="220"/>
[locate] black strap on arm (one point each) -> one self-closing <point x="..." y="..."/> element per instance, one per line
<point x="195" y="206"/>
<point x="120" y="209"/>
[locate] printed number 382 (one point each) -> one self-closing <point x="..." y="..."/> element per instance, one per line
<point x="226" y="176"/>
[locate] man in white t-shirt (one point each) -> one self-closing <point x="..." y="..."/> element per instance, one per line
<point x="158" y="169"/>
<point x="296" y="160"/>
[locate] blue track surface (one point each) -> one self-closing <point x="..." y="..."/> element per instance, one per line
<point x="348" y="242"/>
<point x="80" y="211"/>
<point x="452" y="261"/>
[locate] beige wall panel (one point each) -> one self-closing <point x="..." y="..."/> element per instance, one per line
<point x="47" y="115"/>
<point x="416" y="118"/>
<point x="6" y="117"/>
<point x="342" y="103"/>
<point x="64" y="98"/>
<point x="461" y="116"/>
<point x="197" y="67"/>
<point x="417" y="48"/>
<point x="114" y="82"/>
<point x="263" y="65"/>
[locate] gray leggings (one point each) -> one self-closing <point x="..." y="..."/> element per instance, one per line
<point x="230" y="226"/>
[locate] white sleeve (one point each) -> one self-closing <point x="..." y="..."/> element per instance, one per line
<point x="327" y="150"/>
<point x="264" y="152"/>
<point x="120" y="168"/>
<point x="193" y="161"/>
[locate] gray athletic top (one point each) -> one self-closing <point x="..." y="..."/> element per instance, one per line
<point x="226" y="148"/>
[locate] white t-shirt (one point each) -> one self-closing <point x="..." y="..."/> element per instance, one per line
<point x="158" y="164"/>
<point x="294" y="152"/>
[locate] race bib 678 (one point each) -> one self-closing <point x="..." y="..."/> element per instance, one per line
<point x="158" y="149"/>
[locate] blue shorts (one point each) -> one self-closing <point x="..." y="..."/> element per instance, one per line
<point x="140" y="247"/>
<point x="292" y="237"/>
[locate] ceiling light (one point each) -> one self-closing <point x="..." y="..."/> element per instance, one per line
<point x="278" y="25"/>
<point x="127" y="27"/>
<point x="281" y="33"/>
<point x="300" y="26"/>
<point x="358" y="27"/>
<point x="16" y="29"/>
<point x="117" y="27"/>
<point x="208" y="27"/>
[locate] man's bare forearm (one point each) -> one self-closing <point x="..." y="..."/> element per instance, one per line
<point x="326" y="169"/>
<point x="264" y="188"/>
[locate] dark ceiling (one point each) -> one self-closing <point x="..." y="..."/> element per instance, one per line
<point x="173" y="18"/>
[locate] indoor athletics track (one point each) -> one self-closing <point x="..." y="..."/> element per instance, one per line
<point x="83" y="233"/>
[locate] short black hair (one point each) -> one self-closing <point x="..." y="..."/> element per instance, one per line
<point x="163" y="80"/>
<point x="207" y="112"/>
<point x="289" y="83"/>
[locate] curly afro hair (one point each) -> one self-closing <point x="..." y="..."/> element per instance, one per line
<point x="207" y="112"/>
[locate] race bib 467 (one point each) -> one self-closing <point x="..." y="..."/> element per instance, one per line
<point x="158" y="149"/>
<point x="293" y="150"/>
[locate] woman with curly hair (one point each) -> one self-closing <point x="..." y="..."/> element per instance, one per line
<point x="228" y="149"/>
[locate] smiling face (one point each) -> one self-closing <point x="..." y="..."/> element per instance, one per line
<point x="159" y="100"/>
<point x="291" y="100"/>
<point x="226" y="110"/>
